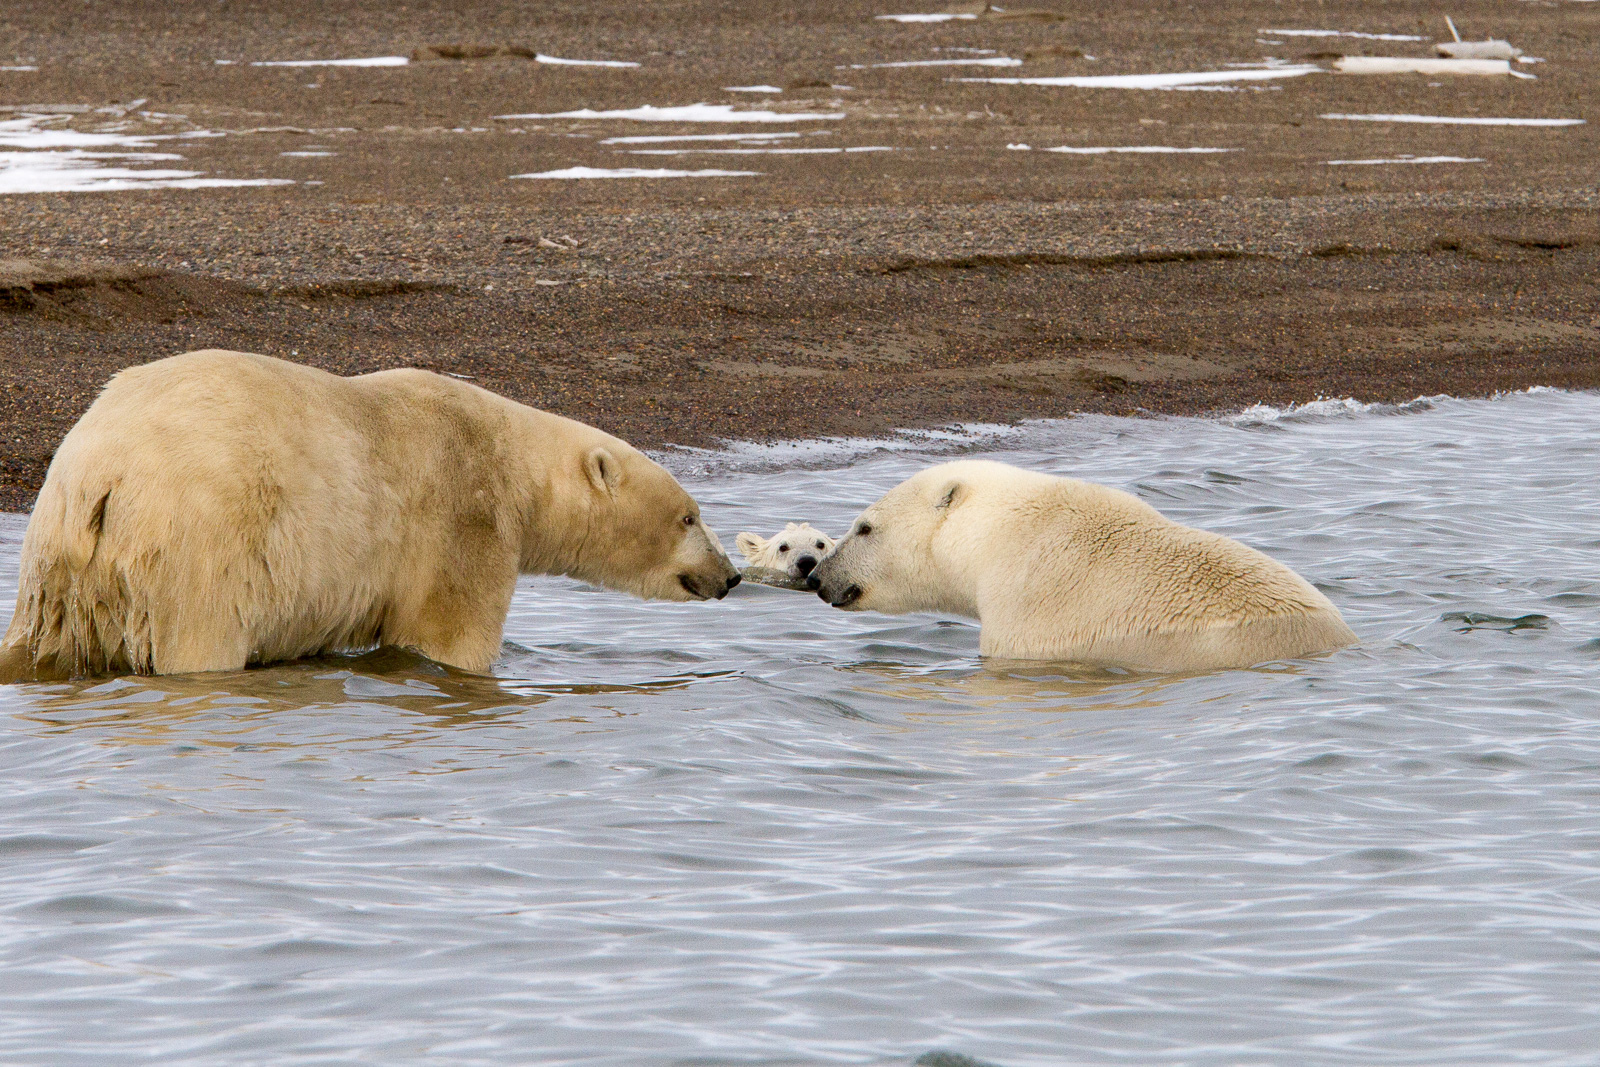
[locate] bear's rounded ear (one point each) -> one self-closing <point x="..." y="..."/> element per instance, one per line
<point x="604" y="472"/>
<point x="953" y="493"/>
<point x="750" y="544"/>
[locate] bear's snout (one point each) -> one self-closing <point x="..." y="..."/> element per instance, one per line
<point x="805" y="565"/>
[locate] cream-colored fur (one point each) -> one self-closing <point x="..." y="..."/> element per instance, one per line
<point x="1058" y="569"/>
<point x="795" y="550"/>
<point x="218" y="508"/>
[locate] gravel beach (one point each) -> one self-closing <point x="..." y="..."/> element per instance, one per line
<point x="886" y="245"/>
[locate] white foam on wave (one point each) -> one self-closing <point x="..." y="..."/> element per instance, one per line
<point x="540" y="57"/>
<point x="1345" y="33"/>
<point x="1183" y="80"/>
<point x="751" y="89"/>
<point x="1452" y="120"/>
<point x="48" y="158"/>
<point x="369" y="61"/>
<point x="1154" y="149"/>
<point x="637" y="172"/>
<point x="751" y="456"/>
<point x="751" y="135"/>
<point x="1323" y="409"/>
<point x="934" y="17"/>
<point x="993" y="61"/>
<point x="830" y="151"/>
<point x="1403" y="159"/>
<point x="685" y="113"/>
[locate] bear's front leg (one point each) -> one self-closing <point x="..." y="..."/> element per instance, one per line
<point x="457" y="621"/>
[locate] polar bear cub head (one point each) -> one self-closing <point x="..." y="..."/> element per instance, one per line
<point x="795" y="550"/>
<point x="915" y="549"/>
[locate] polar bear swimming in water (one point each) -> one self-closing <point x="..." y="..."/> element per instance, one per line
<point x="793" y="551"/>
<point x="1059" y="569"/>
<point x="217" y="509"/>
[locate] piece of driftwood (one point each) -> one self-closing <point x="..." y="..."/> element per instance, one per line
<point x="1401" y="65"/>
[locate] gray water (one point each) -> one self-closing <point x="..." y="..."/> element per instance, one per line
<point x="767" y="832"/>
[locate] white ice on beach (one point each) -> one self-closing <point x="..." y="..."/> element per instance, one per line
<point x="752" y="135"/>
<point x="1403" y="159"/>
<point x="369" y="61"/>
<point x="637" y="172"/>
<point x="993" y="61"/>
<point x="1451" y="120"/>
<point x="51" y="159"/>
<point x="751" y="89"/>
<point x="1183" y="80"/>
<point x="936" y="17"/>
<point x="540" y="57"/>
<point x="1138" y="149"/>
<point x="686" y="113"/>
<point x="756" y="151"/>
<point x="1344" y="33"/>
<point x="82" y="172"/>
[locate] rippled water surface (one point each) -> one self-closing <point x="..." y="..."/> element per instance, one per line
<point x="767" y="832"/>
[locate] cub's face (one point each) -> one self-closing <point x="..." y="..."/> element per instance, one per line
<point x="795" y="550"/>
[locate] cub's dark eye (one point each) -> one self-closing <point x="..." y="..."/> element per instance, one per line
<point x="688" y="520"/>
<point x="864" y="529"/>
<point x="783" y="548"/>
<point x="821" y="545"/>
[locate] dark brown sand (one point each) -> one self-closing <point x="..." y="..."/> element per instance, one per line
<point x="953" y="279"/>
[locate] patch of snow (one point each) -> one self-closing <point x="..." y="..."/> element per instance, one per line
<point x="685" y="113"/>
<point x="540" y="57"/>
<point x="307" y="155"/>
<point x="993" y="61"/>
<point x="751" y="89"/>
<point x="1344" y="33"/>
<point x="940" y="17"/>
<point x="19" y="68"/>
<point x="1448" y="120"/>
<point x="370" y="61"/>
<point x="636" y="172"/>
<point x="755" y="151"/>
<point x="1140" y="149"/>
<point x="666" y="138"/>
<point x="1403" y="159"/>
<point x="1183" y="80"/>
<point x="1020" y="147"/>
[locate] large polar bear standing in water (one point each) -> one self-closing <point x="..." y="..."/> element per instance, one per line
<point x="217" y="508"/>
<point x="1058" y="569"/>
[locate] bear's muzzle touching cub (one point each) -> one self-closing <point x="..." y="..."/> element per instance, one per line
<point x="1058" y="569"/>
<point x="217" y="509"/>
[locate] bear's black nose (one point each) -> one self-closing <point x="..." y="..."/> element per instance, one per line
<point x="805" y="565"/>
<point x="813" y="583"/>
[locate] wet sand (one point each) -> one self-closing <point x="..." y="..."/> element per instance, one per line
<point x="953" y="279"/>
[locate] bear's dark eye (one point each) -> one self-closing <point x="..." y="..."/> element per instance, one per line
<point x="783" y="548"/>
<point x="821" y="545"/>
<point x="864" y="529"/>
<point x="688" y="520"/>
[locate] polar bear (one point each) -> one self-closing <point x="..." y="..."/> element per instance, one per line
<point x="217" y="509"/>
<point x="1058" y="569"/>
<point x="794" y="550"/>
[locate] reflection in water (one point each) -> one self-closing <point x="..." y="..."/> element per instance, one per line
<point x="763" y="831"/>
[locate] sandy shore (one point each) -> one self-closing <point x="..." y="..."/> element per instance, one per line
<point x="955" y="277"/>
